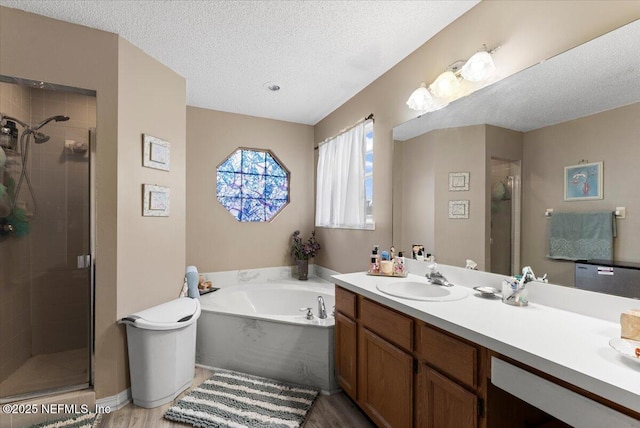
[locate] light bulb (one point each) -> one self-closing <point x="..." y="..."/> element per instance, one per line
<point x="420" y="99"/>
<point x="445" y="86"/>
<point x="479" y="67"/>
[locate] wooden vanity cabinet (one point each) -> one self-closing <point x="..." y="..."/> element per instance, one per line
<point x="346" y="342"/>
<point x="401" y="371"/>
<point x="449" y="386"/>
<point x="385" y="365"/>
<point x="385" y="381"/>
<point x="442" y="403"/>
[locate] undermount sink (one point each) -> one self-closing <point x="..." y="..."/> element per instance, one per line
<point x="415" y="290"/>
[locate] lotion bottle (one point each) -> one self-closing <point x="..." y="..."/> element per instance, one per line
<point x="375" y="260"/>
<point x="398" y="265"/>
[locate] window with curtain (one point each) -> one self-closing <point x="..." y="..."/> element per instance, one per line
<point x="344" y="179"/>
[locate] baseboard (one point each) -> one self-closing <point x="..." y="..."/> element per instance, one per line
<point x="115" y="402"/>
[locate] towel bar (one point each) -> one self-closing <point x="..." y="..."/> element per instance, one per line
<point x="619" y="212"/>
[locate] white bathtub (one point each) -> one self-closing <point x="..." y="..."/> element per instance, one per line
<point x="258" y="329"/>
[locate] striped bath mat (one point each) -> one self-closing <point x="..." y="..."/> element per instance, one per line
<point x="87" y="420"/>
<point x="233" y="400"/>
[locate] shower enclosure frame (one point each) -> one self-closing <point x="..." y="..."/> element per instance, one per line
<point x="515" y="229"/>
<point x="90" y="339"/>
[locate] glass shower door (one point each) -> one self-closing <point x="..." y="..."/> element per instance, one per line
<point x="45" y="283"/>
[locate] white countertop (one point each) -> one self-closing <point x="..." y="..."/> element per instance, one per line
<point x="569" y="345"/>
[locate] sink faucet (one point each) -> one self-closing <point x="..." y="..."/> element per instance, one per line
<point x="322" y="311"/>
<point x="436" y="278"/>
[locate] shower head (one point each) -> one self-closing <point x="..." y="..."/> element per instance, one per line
<point x="39" y="138"/>
<point x="49" y="119"/>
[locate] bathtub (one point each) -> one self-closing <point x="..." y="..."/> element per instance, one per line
<point x="258" y="328"/>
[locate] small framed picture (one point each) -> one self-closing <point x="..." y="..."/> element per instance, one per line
<point x="458" y="181"/>
<point x="459" y="209"/>
<point x="155" y="201"/>
<point x="155" y="153"/>
<point x="583" y="182"/>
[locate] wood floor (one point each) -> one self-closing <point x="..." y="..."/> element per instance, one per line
<point x="328" y="412"/>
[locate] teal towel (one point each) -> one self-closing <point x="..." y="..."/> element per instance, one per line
<point x="582" y="235"/>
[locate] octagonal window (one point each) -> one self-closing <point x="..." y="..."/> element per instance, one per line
<point x="252" y="185"/>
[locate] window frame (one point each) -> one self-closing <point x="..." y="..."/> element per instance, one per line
<point x="276" y="159"/>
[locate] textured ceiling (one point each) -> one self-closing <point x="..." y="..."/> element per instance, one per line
<point x="599" y="75"/>
<point x="320" y="52"/>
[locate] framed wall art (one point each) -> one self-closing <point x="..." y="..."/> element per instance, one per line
<point x="155" y="201"/>
<point x="459" y="209"/>
<point x="583" y="182"/>
<point x="458" y="181"/>
<point x="155" y="153"/>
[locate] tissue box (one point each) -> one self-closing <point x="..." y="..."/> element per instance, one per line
<point x="630" y="323"/>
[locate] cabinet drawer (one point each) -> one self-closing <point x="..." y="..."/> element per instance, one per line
<point x="346" y="302"/>
<point x="454" y="357"/>
<point x="390" y="325"/>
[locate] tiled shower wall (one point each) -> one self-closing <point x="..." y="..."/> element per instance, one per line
<point x="44" y="298"/>
<point x="15" y="278"/>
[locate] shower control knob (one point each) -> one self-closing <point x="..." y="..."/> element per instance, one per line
<point x="7" y="228"/>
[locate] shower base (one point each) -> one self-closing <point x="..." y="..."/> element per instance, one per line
<point x="47" y="372"/>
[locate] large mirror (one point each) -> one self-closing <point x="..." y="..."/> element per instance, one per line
<point x="514" y="139"/>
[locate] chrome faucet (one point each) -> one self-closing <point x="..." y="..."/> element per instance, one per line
<point x="322" y="311"/>
<point x="436" y="278"/>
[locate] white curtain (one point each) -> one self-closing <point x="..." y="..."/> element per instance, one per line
<point x="340" y="195"/>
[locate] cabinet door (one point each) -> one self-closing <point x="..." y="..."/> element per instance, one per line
<point x="385" y="381"/>
<point x="345" y="349"/>
<point x="442" y="403"/>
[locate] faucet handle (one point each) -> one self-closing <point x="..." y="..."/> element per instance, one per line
<point x="309" y="315"/>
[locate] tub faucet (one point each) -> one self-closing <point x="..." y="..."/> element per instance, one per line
<point x="322" y="311"/>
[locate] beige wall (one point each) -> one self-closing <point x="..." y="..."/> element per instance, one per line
<point x="216" y="241"/>
<point x="414" y="193"/>
<point x="151" y="250"/>
<point x="460" y="150"/>
<point x="125" y="245"/>
<point x="611" y="137"/>
<point x="527" y="31"/>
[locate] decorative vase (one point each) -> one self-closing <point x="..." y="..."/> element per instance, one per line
<point x="303" y="269"/>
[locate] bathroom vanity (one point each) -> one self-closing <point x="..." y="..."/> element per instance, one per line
<point x="462" y="363"/>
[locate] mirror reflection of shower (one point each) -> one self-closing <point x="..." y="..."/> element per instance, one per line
<point x="10" y="144"/>
<point x="505" y="216"/>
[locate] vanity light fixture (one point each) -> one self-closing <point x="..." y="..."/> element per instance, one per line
<point x="447" y="85"/>
<point x="479" y="67"/>
<point x="420" y="99"/>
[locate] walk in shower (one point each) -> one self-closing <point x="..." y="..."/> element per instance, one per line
<point x="45" y="238"/>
